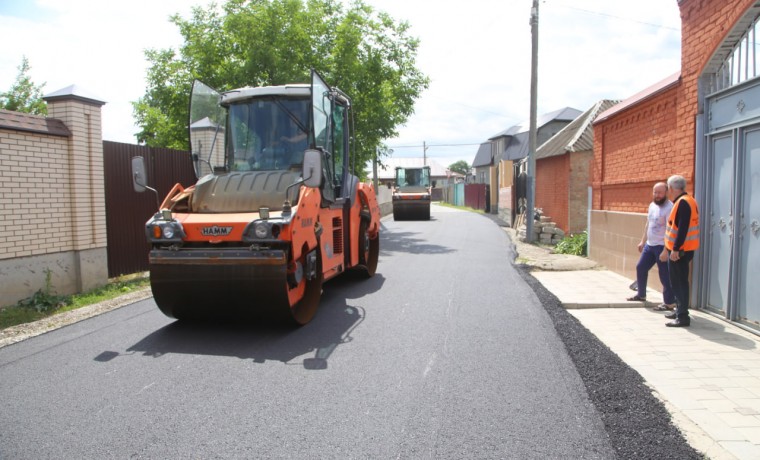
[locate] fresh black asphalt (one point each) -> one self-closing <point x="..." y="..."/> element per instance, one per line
<point x="450" y="351"/>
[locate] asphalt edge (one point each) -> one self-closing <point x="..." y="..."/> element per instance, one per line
<point x="637" y="421"/>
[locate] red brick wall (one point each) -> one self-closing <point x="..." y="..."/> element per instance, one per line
<point x="637" y="149"/>
<point x="552" y="175"/>
<point x="655" y="138"/>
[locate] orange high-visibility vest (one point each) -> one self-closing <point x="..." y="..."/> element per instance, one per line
<point x="671" y="231"/>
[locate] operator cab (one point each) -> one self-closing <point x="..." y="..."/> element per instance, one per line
<point x="268" y="129"/>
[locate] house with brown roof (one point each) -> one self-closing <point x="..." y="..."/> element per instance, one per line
<point x="563" y="171"/>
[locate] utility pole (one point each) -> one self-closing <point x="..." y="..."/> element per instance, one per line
<point x="529" y="235"/>
<point x="374" y="169"/>
<point x="424" y="154"/>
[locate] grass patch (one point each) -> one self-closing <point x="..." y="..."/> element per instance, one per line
<point x="46" y="303"/>
<point x="463" y="208"/>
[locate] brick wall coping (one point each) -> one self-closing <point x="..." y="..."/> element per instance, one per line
<point x="73" y="92"/>
<point x="648" y="93"/>
<point x="18" y="121"/>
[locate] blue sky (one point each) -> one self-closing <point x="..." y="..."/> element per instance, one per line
<point x="476" y="53"/>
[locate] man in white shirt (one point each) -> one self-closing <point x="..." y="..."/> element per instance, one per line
<point x="652" y="245"/>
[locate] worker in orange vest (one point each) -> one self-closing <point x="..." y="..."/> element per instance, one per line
<point x="681" y="240"/>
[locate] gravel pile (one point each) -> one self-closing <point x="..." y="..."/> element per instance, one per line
<point x="638" y="424"/>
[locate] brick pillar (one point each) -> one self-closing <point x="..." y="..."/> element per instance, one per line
<point x="81" y="113"/>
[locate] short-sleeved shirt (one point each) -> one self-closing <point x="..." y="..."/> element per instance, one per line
<point x="658" y="219"/>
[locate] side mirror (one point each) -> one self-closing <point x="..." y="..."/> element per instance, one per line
<point x="434" y="182"/>
<point x="139" y="178"/>
<point x="312" y="168"/>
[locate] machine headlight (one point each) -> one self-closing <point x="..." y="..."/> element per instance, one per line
<point x="159" y="231"/>
<point x="261" y="230"/>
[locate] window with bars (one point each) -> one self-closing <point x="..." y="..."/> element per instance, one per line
<point x="741" y="63"/>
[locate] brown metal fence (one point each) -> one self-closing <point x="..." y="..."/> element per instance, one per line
<point x="126" y="210"/>
<point x="476" y="197"/>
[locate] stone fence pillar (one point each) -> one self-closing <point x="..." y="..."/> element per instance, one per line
<point x="81" y="113"/>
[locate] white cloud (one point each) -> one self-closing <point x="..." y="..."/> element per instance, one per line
<point x="477" y="55"/>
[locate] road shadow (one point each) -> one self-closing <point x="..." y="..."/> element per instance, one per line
<point x="332" y="326"/>
<point x="408" y="242"/>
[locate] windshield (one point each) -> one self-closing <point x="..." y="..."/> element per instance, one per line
<point x="413" y="177"/>
<point x="268" y="134"/>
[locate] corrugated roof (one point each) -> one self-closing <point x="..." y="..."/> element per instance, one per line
<point x="653" y="90"/>
<point x="33" y="123"/>
<point x="483" y="156"/>
<point x="517" y="147"/>
<point x="578" y="136"/>
<point x="511" y="131"/>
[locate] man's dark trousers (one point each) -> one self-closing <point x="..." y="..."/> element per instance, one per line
<point x="679" y="281"/>
<point x="650" y="256"/>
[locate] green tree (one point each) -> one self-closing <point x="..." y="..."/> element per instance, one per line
<point x="461" y="167"/>
<point x="24" y="95"/>
<point x="271" y="42"/>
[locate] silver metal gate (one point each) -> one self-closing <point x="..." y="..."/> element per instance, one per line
<point x="748" y="230"/>
<point x="731" y="218"/>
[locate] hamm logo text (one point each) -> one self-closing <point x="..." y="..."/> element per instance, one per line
<point x="216" y="231"/>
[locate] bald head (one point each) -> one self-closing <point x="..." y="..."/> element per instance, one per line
<point x="660" y="193"/>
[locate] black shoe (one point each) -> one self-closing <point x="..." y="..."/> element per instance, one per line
<point x="671" y="315"/>
<point x="679" y="322"/>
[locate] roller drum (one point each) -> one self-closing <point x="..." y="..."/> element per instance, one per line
<point x="220" y="287"/>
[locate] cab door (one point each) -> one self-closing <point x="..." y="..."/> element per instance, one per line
<point x="331" y="216"/>
<point x="206" y="124"/>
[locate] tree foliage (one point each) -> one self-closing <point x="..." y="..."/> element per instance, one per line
<point x="364" y="52"/>
<point x="24" y="95"/>
<point x="461" y="167"/>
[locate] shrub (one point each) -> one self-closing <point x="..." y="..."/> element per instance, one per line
<point x="573" y="244"/>
<point x="44" y="300"/>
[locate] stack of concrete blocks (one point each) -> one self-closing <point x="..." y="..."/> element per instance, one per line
<point x="546" y="231"/>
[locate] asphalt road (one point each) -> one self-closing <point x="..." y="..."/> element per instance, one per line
<point x="446" y="353"/>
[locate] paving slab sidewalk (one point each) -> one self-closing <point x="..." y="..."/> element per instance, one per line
<point x="707" y="375"/>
